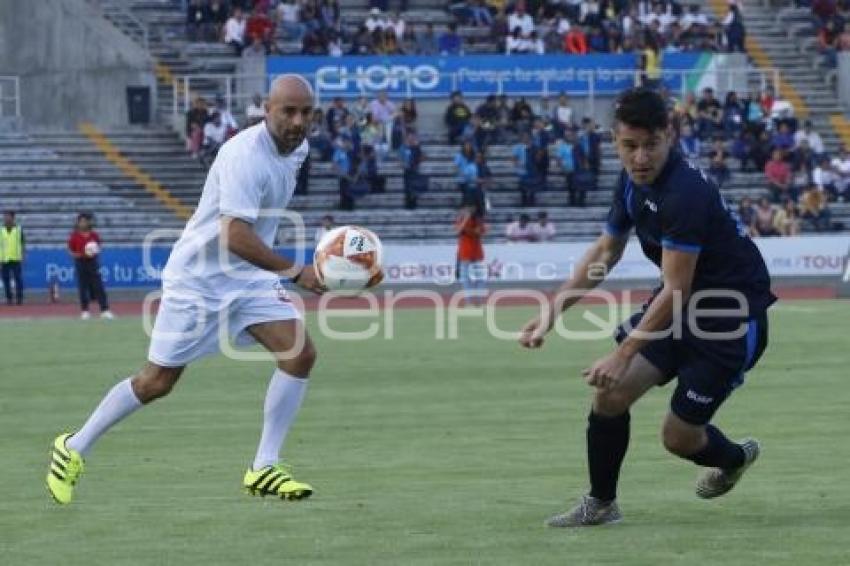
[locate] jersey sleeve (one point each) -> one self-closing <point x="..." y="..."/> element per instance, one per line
<point x="241" y="188"/>
<point x="74" y="243"/>
<point x="619" y="220"/>
<point x="685" y="219"/>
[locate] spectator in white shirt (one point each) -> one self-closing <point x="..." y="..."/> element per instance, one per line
<point x="375" y="20"/>
<point x="289" y="15"/>
<point x="397" y="24"/>
<point x="563" y="113"/>
<point x="383" y="112"/>
<point x="589" y="14"/>
<point x="660" y="15"/>
<point x="382" y="108"/>
<point x="841" y="168"/>
<point x="516" y="42"/>
<point x="227" y="119"/>
<point x="535" y="44"/>
<point x="693" y="17"/>
<point x="815" y="141"/>
<point x="825" y="177"/>
<point x="520" y="230"/>
<point x="335" y="47"/>
<point x="255" y="112"/>
<point x="544" y="229"/>
<point x="234" y="31"/>
<point x="629" y="21"/>
<point x="215" y="132"/>
<point x="520" y="19"/>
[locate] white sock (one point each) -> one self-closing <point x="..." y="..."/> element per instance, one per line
<point x="283" y="399"/>
<point x="120" y="402"/>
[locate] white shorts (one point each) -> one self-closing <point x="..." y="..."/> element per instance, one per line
<point x="190" y="326"/>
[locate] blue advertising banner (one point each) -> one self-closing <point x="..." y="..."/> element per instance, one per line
<point x="476" y="75"/>
<point x="131" y="267"/>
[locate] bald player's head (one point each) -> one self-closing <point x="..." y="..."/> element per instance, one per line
<point x="289" y="110"/>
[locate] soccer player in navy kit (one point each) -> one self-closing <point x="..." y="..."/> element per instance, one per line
<point x="707" y="263"/>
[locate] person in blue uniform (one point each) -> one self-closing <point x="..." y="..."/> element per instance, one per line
<point x="704" y="326"/>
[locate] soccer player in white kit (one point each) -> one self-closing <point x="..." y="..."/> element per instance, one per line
<point x="222" y="279"/>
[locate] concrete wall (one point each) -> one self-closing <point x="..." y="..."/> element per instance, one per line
<point x="74" y="65"/>
<point x="844" y="78"/>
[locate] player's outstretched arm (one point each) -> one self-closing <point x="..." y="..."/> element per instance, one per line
<point x="241" y="240"/>
<point x="591" y="270"/>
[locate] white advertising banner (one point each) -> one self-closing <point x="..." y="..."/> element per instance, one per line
<point x="799" y="256"/>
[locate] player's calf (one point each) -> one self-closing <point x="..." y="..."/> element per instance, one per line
<point x="680" y="438"/>
<point x="302" y="363"/>
<point x="154" y="381"/>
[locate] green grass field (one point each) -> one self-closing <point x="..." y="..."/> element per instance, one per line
<point x="422" y="452"/>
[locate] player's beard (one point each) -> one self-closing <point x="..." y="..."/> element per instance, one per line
<point x="289" y="142"/>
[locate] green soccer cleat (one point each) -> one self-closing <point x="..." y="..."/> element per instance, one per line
<point x="66" y="465"/>
<point x="715" y="482"/>
<point x="275" y="480"/>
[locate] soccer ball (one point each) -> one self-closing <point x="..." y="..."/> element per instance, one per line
<point x="92" y="249"/>
<point x="348" y="260"/>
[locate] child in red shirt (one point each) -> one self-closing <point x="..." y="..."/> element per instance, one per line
<point x="84" y="247"/>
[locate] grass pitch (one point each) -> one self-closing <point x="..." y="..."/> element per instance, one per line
<point x="422" y="451"/>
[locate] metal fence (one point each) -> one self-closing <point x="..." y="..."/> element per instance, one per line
<point x="238" y="90"/>
<point x="10" y="96"/>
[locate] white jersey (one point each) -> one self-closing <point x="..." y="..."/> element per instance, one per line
<point x="250" y="180"/>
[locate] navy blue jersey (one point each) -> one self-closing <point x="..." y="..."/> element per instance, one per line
<point x="683" y="210"/>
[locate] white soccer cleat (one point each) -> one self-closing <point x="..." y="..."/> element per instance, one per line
<point x="715" y="482"/>
<point x="589" y="512"/>
<point x="85" y="315"/>
<point x="107" y="315"/>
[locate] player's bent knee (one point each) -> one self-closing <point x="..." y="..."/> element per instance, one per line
<point x="610" y="403"/>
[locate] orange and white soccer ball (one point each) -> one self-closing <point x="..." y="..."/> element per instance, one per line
<point x="349" y="260"/>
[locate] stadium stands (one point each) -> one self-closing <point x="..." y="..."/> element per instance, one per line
<point x="48" y="191"/>
<point x="160" y="152"/>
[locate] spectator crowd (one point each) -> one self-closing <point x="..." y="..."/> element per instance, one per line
<point x="551" y="149"/>
<point x="831" y="19"/>
<point x="650" y="28"/>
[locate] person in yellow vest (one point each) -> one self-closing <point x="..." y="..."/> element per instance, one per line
<point x="651" y="60"/>
<point x="12" y="257"/>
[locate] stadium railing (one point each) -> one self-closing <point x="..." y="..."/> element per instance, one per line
<point x="130" y="24"/>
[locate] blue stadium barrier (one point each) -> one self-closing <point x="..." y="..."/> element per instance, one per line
<point x="127" y="267"/>
<point x="480" y="75"/>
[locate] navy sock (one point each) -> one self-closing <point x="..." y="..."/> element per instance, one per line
<point x="607" y="442"/>
<point x="719" y="452"/>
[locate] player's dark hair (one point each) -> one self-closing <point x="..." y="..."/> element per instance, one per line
<point x="641" y="108"/>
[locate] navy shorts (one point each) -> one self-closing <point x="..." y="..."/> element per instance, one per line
<point x="708" y="370"/>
